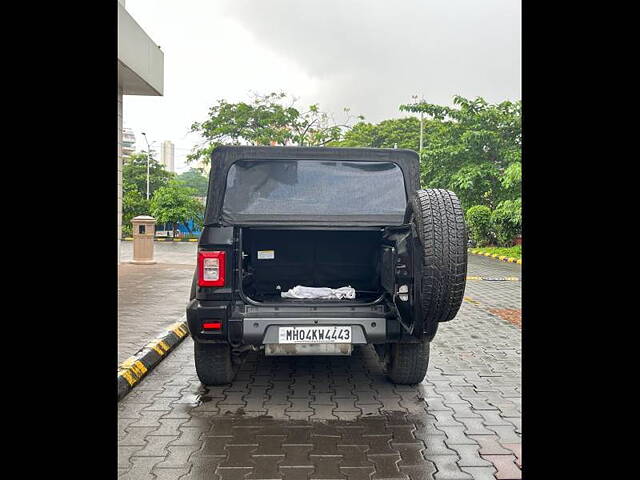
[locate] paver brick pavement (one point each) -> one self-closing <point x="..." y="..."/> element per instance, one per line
<point x="338" y="417"/>
<point x="151" y="297"/>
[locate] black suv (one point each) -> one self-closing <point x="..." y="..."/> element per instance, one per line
<point x="279" y="217"/>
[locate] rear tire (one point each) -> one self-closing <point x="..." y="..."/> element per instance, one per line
<point x="408" y="362"/>
<point x="213" y="363"/>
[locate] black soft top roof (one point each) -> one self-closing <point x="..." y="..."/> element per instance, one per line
<point x="224" y="156"/>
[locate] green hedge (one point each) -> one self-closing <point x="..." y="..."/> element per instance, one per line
<point x="498" y="227"/>
<point x="507" y="222"/>
<point x="478" y="219"/>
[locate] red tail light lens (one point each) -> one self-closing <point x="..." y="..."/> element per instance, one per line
<point x="211" y="269"/>
<point x="212" y="326"/>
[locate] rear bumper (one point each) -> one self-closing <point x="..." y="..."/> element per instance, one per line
<point x="301" y="349"/>
<point x="256" y="325"/>
<point x="258" y="331"/>
<point x="199" y="313"/>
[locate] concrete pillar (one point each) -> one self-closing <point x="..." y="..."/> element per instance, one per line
<point x="119" y="169"/>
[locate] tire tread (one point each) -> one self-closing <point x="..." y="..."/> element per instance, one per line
<point x="442" y="231"/>
<point x="408" y="363"/>
<point x="213" y="363"/>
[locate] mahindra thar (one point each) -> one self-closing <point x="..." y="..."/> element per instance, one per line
<point x="389" y="258"/>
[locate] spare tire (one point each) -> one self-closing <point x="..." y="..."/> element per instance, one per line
<point x="439" y="221"/>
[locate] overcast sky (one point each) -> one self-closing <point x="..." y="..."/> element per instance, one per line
<point x="368" y="55"/>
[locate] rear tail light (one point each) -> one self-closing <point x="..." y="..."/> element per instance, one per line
<point x="212" y="326"/>
<point x="211" y="269"/>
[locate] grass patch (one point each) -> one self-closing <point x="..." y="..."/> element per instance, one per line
<point x="513" y="252"/>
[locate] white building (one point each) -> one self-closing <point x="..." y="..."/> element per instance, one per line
<point x="167" y="157"/>
<point x="140" y="72"/>
<point x="128" y="142"/>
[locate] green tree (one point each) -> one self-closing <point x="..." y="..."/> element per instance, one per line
<point x="395" y="132"/>
<point x="193" y="178"/>
<point x="134" y="174"/>
<point x="176" y="204"/>
<point x="271" y="119"/>
<point x="133" y="204"/>
<point x="472" y="148"/>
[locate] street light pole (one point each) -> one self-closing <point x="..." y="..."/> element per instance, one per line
<point x="415" y="98"/>
<point x="421" y="131"/>
<point x="148" y="156"/>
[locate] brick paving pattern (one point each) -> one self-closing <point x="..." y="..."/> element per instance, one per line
<point x="339" y="417"/>
<point x="490" y="267"/>
<point x="151" y="297"/>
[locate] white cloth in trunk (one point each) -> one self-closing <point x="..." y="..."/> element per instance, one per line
<point x="320" y="292"/>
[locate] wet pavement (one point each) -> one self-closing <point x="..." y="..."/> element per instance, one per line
<point x="151" y="297"/>
<point x="339" y="417"/>
<point x="490" y="267"/>
<point x="183" y="253"/>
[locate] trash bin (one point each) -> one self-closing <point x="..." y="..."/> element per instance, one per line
<point x="144" y="228"/>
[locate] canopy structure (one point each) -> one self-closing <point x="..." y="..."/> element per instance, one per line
<point x="140" y="60"/>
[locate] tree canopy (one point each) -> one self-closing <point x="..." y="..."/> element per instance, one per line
<point x="271" y="119"/>
<point x="194" y="178"/>
<point x="134" y="174"/>
<point x="133" y="204"/>
<point x="134" y="186"/>
<point x="473" y="149"/>
<point x="395" y="132"/>
<point x="174" y="203"/>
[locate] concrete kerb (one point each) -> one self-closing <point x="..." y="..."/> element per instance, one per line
<point x="504" y="258"/>
<point x="130" y="239"/>
<point x="136" y="367"/>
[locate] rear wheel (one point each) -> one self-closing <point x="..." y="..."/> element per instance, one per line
<point x="214" y="364"/>
<point x="407" y="362"/>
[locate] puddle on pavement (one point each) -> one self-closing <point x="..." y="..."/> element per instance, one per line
<point x="394" y="426"/>
<point x="236" y="441"/>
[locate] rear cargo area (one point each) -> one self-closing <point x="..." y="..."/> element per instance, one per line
<point x="276" y="260"/>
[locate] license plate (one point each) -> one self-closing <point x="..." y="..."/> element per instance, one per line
<point x="331" y="334"/>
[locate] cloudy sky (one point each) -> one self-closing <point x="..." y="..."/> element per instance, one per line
<point x="368" y="55"/>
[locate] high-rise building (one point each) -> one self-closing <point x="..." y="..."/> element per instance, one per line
<point x="128" y="142"/>
<point x="167" y="155"/>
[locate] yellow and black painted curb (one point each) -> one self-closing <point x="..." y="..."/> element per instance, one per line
<point x="495" y="279"/>
<point x="504" y="258"/>
<point x="136" y="367"/>
<point x="161" y="239"/>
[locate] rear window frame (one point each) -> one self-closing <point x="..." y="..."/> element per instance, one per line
<point x="372" y="219"/>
